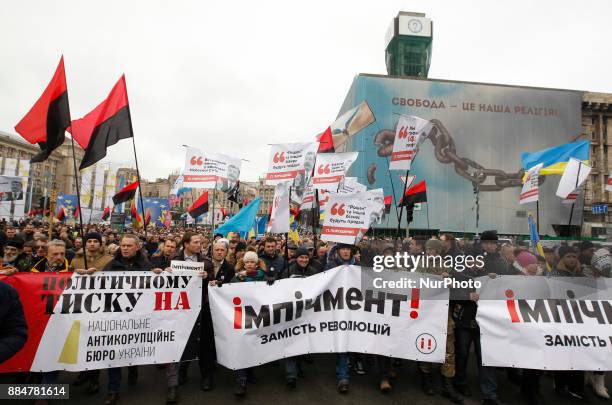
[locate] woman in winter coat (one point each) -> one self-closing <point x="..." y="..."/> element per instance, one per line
<point x="249" y="268"/>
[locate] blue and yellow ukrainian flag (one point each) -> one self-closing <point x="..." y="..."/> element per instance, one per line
<point x="555" y="159"/>
<point x="536" y="245"/>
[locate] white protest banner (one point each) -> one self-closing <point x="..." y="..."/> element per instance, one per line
<point x="178" y="265"/>
<point x="574" y="175"/>
<point x="408" y="137"/>
<point x="338" y="311"/>
<point x="109" y="319"/>
<point x="347" y="218"/>
<point x="193" y="176"/>
<point x="224" y="171"/>
<point x="546" y="322"/>
<point x="529" y="192"/>
<point x="287" y="161"/>
<point x="330" y="169"/>
<point x="210" y="170"/>
<point x="351" y="185"/>
<point x="279" y="219"/>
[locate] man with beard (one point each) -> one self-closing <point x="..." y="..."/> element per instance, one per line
<point x="14" y="257"/>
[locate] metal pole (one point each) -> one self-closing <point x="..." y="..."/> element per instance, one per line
<point x="137" y="169"/>
<point x="315" y="214"/>
<point x="392" y="186"/>
<point x="212" y="219"/>
<point x="401" y="211"/>
<point x="76" y="181"/>
<point x="538" y="216"/>
<point x="569" y="224"/>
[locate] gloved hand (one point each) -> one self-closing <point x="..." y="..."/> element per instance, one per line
<point x="269" y="279"/>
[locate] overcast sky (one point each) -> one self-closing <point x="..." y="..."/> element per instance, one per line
<point x="232" y="76"/>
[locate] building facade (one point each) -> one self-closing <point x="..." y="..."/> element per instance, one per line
<point x="56" y="173"/>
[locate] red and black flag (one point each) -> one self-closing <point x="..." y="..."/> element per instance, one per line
<point x="388" y="201"/>
<point x="48" y="119"/>
<point x="76" y="212"/>
<point x="61" y="214"/>
<point x="147" y="218"/>
<point x="415" y="194"/>
<point x="326" y="142"/>
<point x="200" y="206"/>
<point x="106" y="125"/>
<point x="105" y="214"/>
<point x="126" y="193"/>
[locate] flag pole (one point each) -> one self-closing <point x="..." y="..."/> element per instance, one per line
<point x="212" y="218"/>
<point x="401" y="211"/>
<point x="78" y="191"/>
<point x="392" y="186"/>
<point x="427" y="208"/>
<point x="477" y="197"/>
<point x="136" y="161"/>
<point x="315" y="212"/>
<point x="569" y="224"/>
<point x="538" y="216"/>
<point x="287" y="235"/>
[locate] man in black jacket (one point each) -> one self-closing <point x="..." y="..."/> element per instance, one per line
<point x="222" y="272"/>
<point x="300" y="268"/>
<point x="129" y="257"/>
<point x="466" y="328"/>
<point x="13" y="327"/>
<point x="275" y="263"/>
<point x="168" y="254"/>
<point x="192" y="252"/>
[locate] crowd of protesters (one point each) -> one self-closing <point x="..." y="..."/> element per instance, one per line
<point x="27" y="247"/>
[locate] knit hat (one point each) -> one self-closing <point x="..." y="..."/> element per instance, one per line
<point x="435" y="244"/>
<point x="344" y="246"/>
<point x="93" y="235"/>
<point x="602" y="261"/>
<point x="250" y="257"/>
<point x="489" y="236"/>
<point x="564" y="250"/>
<point x="16" y="243"/>
<point x="525" y="259"/>
<point x="301" y="251"/>
<point x="586" y="244"/>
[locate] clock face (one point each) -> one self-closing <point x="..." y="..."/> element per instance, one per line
<point x="415" y="26"/>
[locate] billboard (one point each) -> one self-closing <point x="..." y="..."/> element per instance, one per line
<point x="478" y="133"/>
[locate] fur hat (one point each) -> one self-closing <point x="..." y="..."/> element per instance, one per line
<point x="250" y="257"/>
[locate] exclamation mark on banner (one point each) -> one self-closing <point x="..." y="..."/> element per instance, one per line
<point x="414" y="303"/>
<point x="70" y="352"/>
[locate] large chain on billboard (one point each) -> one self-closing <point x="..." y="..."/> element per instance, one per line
<point x="445" y="152"/>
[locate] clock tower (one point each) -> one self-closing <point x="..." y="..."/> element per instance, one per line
<point x="408" y="45"/>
